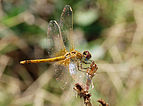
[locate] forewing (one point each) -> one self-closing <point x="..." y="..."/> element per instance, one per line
<point x="55" y="39"/>
<point x="66" y="24"/>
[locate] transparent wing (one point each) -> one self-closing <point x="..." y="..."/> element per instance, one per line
<point x="77" y="76"/>
<point x="55" y="40"/>
<point x="66" y="24"/>
<point x="63" y="76"/>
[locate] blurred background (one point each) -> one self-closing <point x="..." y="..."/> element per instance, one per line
<point x="111" y="30"/>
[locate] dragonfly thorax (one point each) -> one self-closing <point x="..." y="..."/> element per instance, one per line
<point x="74" y="55"/>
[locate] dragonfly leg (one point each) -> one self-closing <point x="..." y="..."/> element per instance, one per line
<point x="80" y="67"/>
<point x="88" y="62"/>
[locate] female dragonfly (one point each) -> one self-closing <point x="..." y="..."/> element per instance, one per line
<point x="61" y="35"/>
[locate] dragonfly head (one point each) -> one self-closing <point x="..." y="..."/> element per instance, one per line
<point x="86" y="55"/>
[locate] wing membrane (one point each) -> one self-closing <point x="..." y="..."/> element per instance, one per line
<point x="66" y="24"/>
<point x="55" y="39"/>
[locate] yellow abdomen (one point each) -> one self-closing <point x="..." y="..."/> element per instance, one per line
<point x="43" y="60"/>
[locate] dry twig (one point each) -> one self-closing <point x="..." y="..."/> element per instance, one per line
<point x="83" y="94"/>
<point x="102" y="102"/>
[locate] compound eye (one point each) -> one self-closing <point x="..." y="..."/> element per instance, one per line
<point x="88" y="55"/>
<point x="84" y="53"/>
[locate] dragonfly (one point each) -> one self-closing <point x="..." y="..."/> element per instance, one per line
<point x="61" y="40"/>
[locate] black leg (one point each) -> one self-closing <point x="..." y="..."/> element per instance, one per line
<point x="81" y="68"/>
<point x="88" y="62"/>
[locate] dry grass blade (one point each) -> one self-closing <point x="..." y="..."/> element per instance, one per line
<point x="102" y="102"/>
